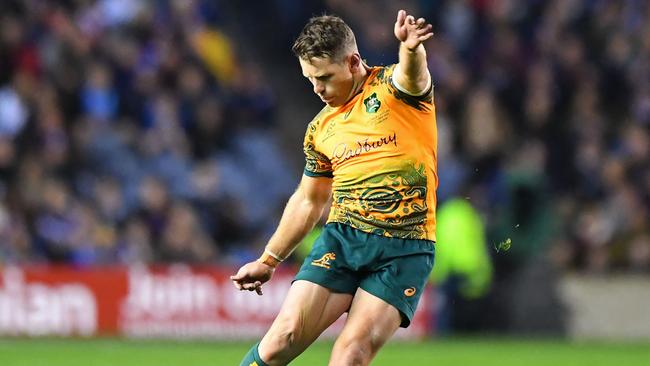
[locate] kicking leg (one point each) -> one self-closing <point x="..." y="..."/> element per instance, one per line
<point x="371" y="322"/>
<point x="307" y="311"/>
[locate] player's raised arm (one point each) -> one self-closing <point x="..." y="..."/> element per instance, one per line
<point x="300" y="215"/>
<point x="411" y="74"/>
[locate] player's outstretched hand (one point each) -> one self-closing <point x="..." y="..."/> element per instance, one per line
<point x="411" y="32"/>
<point x="251" y="276"/>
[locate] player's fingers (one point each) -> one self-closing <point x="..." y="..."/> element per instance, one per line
<point x="424" y="37"/>
<point x="401" y="15"/>
<point x="237" y="285"/>
<point x="410" y="19"/>
<point x="259" y="290"/>
<point x="420" y="22"/>
<point x="426" y="29"/>
<point x="252" y="286"/>
<point x="237" y="277"/>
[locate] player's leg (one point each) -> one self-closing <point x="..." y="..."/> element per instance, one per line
<point x="306" y="312"/>
<point x="371" y="322"/>
<point x="386" y="299"/>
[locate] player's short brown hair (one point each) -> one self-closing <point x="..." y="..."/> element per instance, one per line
<point x="326" y="36"/>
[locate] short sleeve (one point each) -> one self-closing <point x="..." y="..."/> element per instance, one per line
<point x="419" y="102"/>
<point x="316" y="163"/>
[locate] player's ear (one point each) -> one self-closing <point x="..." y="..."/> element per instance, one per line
<point x="354" y="62"/>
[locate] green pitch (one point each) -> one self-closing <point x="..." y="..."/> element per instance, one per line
<point x="463" y="352"/>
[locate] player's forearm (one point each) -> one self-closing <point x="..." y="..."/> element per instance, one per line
<point x="413" y="67"/>
<point x="299" y="217"/>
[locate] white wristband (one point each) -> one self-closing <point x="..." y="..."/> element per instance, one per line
<point x="275" y="256"/>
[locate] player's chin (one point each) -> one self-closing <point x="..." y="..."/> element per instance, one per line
<point x="333" y="103"/>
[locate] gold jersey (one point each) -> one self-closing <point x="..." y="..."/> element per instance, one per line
<point x="380" y="149"/>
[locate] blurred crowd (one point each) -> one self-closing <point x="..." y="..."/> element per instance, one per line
<point x="139" y="131"/>
<point x="132" y="131"/>
<point x="544" y="112"/>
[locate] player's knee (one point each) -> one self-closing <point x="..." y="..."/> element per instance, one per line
<point x="278" y="344"/>
<point x="355" y="356"/>
<point x="284" y="339"/>
<point x="355" y="351"/>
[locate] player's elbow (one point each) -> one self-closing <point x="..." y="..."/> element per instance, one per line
<point x="315" y="193"/>
<point x="320" y="200"/>
<point x="311" y="205"/>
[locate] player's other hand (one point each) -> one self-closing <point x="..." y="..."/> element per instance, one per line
<point x="251" y="276"/>
<point x="410" y="31"/>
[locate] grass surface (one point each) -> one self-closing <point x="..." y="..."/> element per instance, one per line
<point x="461" y="352"/>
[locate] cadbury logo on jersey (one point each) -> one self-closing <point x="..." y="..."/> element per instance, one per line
<point x="344" y="152"/>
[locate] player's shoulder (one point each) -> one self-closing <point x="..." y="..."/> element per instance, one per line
<point x="383" y="80"/>
<point x="381" y="75"/>
<point x="316" y="122"/>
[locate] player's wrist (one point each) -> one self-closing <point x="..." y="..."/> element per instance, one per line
<point x="270" y="259"/>
<point x="411" y="49"/>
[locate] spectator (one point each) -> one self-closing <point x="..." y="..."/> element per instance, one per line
<point x="117" y="115"/>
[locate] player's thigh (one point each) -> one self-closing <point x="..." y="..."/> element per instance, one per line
<point x="306" y="312"/>
<point x="371" y="322"/>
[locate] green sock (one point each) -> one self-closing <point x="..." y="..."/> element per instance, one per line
<point x="252" y="358"/>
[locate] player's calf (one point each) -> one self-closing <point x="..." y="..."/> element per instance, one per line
<point x="252" y="357"/>
<point x="278" y="347"/>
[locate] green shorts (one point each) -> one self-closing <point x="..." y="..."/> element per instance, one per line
<point x="395" y="270"/>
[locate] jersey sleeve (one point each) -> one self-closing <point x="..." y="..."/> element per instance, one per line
<point x="419" y="102"/>
<point x="316" y="163"/>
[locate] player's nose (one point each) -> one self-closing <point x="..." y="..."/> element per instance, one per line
<point x="319" y="88"/>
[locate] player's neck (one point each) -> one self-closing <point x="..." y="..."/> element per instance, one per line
<point x="358" y="81"/>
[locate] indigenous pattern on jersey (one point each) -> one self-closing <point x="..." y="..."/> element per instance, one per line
<point x="380" y="150"/>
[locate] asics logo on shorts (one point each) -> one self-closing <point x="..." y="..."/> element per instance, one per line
<point x="409" y="291"/>
<point x="324" y="261"/>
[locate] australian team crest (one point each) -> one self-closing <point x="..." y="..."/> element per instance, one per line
<point x="372" y="103"/>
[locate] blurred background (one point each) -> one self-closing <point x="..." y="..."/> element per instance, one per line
<point x="161" y="132"/>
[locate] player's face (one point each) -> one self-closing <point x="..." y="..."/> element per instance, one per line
<point x="332" y="81"/>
